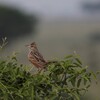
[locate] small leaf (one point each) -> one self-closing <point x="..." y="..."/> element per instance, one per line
<point x="84" y="69"/>
<point x="98" y="72"/>
<point x="78" y="61"/>
<point x="89" y="74"/>
<point x="85" y="80"/>
<point x="77" y="65"/>
<point x="94" y="75"/>
<point x="73" y="81"/>
<point x="88" y="86"/>
<point x="70" y="56"/>
<point x="78" y="83"/>
<point x="76" y="96"/>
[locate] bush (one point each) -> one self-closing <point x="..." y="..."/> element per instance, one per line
<point x="65" y="80"/>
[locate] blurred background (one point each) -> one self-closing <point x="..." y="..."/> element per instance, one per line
<point x="59" y="27"/>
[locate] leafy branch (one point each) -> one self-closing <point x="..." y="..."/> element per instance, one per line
<point x="4" y="42"/>
<point x="67" y="79"/>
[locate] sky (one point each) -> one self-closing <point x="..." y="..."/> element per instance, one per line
<point x="50" y="8"/>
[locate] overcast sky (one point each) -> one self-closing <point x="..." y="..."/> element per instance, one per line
<point x="50" y="8"/>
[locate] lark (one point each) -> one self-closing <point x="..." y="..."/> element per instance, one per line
<point x="35" y="57"/>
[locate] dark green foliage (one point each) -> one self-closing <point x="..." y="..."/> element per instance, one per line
<point x="65" y="80"/>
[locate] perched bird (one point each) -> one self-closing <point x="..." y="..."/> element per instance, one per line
<point x="35" y="57"/>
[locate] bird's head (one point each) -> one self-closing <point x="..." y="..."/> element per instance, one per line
<point x="32" y="45"/>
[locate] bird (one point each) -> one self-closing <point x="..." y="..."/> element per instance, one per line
<point x="35" y="57"/>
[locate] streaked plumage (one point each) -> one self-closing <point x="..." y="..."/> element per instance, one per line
<point x="35" y="57"/>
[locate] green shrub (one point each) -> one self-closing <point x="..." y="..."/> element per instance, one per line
<point x="67" y="79"/>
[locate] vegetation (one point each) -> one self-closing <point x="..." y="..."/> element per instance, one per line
<point x="67" y="79"/>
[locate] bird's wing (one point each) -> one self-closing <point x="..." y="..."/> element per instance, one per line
<point x="38" y="57"/>
<point x="36" y="63"/>
<point x="37" y="54"/>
